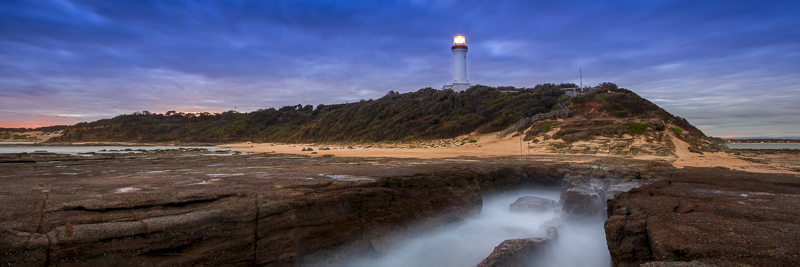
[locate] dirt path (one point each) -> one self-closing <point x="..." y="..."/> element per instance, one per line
<point x="717" y="159"/>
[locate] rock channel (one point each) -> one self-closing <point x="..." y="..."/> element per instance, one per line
<point x="187" y="208"/>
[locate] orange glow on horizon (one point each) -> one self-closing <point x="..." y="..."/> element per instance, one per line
<point x="31" y="125"/>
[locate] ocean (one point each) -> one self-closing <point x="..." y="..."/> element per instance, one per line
<point x="764" y="146"/>
<point x="16" y="147"/>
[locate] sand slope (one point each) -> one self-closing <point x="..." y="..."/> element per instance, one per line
<point x="488" y="145"/>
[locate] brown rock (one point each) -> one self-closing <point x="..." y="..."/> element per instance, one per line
<point x="519" y="252"/>
<point x="711" y="215"/>
<point x="685" y="264"/>
<point x="514" y="252"/>
<point x="533" y="204"/>
<point x="583" y="198"/>
<point x="208" y="210"/>
<point x="544" y="175"/>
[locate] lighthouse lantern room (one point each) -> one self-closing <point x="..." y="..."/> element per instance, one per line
<point x="459" y="49"/>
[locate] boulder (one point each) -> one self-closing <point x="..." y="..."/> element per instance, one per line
<point x="583" y="198"/>
<point x="695" y="150"/>
<point x="582" y="204"/>
<point x="519" y="252"/>
<point x="533" y="204"/>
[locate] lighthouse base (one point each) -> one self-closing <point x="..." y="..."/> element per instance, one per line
<point x="458" y="87"/>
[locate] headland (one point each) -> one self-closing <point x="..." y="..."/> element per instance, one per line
<point x="666" y="194"/>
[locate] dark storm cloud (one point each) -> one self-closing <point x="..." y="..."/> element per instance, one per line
<point x="715" y="62"/>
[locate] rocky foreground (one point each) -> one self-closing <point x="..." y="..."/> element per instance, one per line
<point x="188" y="208"/>
<point x="710" y="216"/>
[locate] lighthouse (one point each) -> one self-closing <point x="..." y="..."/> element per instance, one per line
<point x="459" y="49"/>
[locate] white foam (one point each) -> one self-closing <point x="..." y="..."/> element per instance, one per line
<point x="126" y="190"/>
<point x="348" y="178"/>
<point x="467" y="243"/>
<point x="223" y="174"/>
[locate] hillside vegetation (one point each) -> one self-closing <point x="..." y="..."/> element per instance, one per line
<point x="612" y="120"/>
<point x="30" y="134"/>
<point x="422" y="115"/>
<point x="425" y="114"/>
<point x="609" y="100"/>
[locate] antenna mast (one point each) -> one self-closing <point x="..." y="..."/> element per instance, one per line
<point x="580" y="70"/>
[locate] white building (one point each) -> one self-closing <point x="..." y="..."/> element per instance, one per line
<point x="459" y="49"/>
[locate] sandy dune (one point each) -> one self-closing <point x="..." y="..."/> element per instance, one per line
<point x="489" y="146"/>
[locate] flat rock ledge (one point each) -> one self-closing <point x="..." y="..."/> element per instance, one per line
<point x="192" y="209"/>
<point x="189" y="208"/>
<point x="707" y="217"/>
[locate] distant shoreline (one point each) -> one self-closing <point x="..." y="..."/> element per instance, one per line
<point x="45" y="144"/>
<point x="792" y="146"/>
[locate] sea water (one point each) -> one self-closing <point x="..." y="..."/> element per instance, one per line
<point x="14" y="148"/>
<point x="467" y="243"/>
<point x="763" y="146"/>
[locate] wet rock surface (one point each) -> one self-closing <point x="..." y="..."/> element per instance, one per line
<point x="533" y="204"/>
<point x="198" y="208"/>
<point x="685" y="264"/>
<point x="182" y="208"/>
<point x="583" y="198"/>
<point x="519" y="252"/>
<point x="708" y="217"/>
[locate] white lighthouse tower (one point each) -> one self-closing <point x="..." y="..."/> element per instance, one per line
<point x="459" y="49"/>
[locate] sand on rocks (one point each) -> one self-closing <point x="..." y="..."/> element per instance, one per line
<point x="488" y="145"/>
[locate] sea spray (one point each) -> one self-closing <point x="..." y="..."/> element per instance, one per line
<point x="468" y="242"/>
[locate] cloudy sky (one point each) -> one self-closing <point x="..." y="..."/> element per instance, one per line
<point x="730" y="67"/>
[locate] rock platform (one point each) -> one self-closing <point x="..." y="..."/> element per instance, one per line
<point x="708" y="217"/>
<point x="188" y="208"/>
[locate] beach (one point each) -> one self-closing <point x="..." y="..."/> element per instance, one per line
<point x="488" y="145"/>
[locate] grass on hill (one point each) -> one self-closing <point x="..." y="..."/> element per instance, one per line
<point x="623" y="103"/>
<point x="425" y="114"/>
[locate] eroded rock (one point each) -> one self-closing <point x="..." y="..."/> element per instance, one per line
<point x="190" y="209"/>
<point x="533" y="204"/>
<point x="519" y="252"/>
<point x="583" y="198"/>
<point x="709" y="215"/>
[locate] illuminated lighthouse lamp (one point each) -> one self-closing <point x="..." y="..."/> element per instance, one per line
<point x="459" y="40"/>
<point x="459" y="49"/>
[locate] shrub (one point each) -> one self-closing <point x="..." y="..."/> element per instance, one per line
<point x="546" y="127"/>
<point x="637" y="128"/>
<point x="473" y="141"/>
<point x="677" y="130"/>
